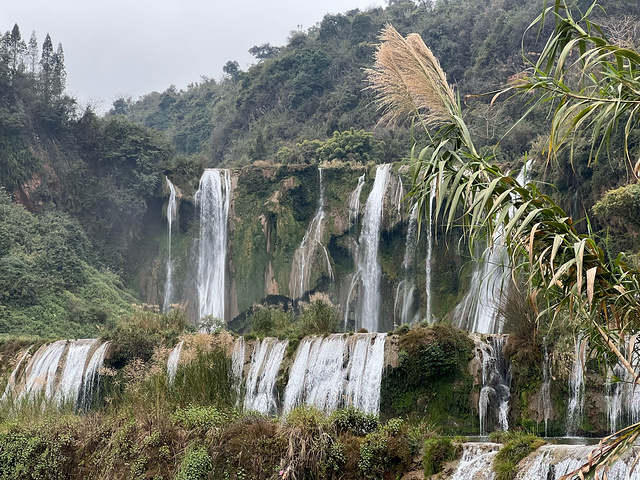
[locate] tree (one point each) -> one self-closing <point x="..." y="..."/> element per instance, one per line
<point x="17" y="50"/>
<point x="33" y="53"/>
<point x="59" y="82"/>
<point x="264" y="51"/>
<point x="232" y="69"/>
<point x="47" y="69"/>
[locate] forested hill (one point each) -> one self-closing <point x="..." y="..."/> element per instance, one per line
<point x="315" y="85"/>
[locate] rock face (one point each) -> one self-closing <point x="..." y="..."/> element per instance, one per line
<point x="274" y="209"/>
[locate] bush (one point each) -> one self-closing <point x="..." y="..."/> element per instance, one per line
<point x="352" y="421"/>
<point x="385" y="452"/>
<point x="200" y="419"/>
<point x="517" y="445"/>
<point x="271" y="321"/>
<point x="196" y="464"/>
<point x="319" y="317"/>
<point x="437" y="452"/>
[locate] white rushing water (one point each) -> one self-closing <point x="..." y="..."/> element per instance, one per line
<point x="11" y="383"/>
<point x="575" y="406"/>
<point x="493" y="406"/>
<point x="303" y="257"/>
<point x="369" y="269"/>
<point x="479" y="310"/>
<point x="476" y="462"/>
<point x="354" y="202"/>
<point x="431" y="234"/>
<point x="623" y="395"/>
<point x="91" y="379"/>
<point x="172" y="210"/>
<point x="237" y="365"/>
<point x="260" y="388"/>
<point x="213" y="197"/>
<point x="40" y="374"/>
<point x="71" y="378"/>
<point x="173" y="361"/>
<point x="404" y="300"/>
<point x="337" y="371"/>
<point x="544" y="403"/>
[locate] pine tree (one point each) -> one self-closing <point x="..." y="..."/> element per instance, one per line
<point x="33" y="53"/>
<point x="47" y="67"/>
<point x="59" y="81"/>
<point x="17" y="50"/>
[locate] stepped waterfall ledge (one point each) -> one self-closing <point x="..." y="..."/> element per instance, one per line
<point x="213" y="198"/>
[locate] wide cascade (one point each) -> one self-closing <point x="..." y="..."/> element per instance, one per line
<point x="260" y="388"/>
<point x="369" y="271"/>
<point x="172" y="210"/>
<point x="213" y="198"/>
<point x="493" y="405"/>
<point x="337" y="371"/>
<point x="479" y="311"/>
<point x="305" y="253"/>
<point x="59" y="372"/>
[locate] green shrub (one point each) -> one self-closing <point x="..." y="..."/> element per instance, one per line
<point x="517" y="445"/>
<point x="200" y="418"/>
<point x="385" y="452"/>
<point x="437" y="452"/>
<point x="352" y="421"/>
<point x="271" y="321"/>
<point x="196" y="464"/>
<point x="319" y="317"/>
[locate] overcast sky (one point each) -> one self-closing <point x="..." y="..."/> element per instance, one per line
<point x="133" y="47"/>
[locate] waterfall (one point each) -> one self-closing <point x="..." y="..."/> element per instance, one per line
<point x="172" y="209"/>
<point x="428" y="262"/>
<point x="91" y="380"/>
<point x="173" y="361"/>
<point x="476" y="462"/>
<point x="337" y="371"/>
<point x="11" y="383"/>
<point x="304" y="254"/>
<point x="493" y="405"/>
<point x="237" y="365"/>
<point x="368" y="267"/>
<point x="576" y="387"/>
<point x="406" y="288"/>
<point x="354" y="202"/>
<point x="479" y="310"/>
<point x="71" y="378"/>
<point x="623" y="395"/>
<point x="213" y="197"/>
<point x="41" y="371"/>
<point x="544" y="402"/>
<point x="265" y="364"/>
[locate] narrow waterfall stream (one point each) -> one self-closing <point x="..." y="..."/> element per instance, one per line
<point x="173" y="361"/>
<point x="303" y="257"/>
<point x="431" y="234"/>
<point x="369" y="270"/>
<point x="575" y="406"/>
<point x="213" y="198"/>
<point x="544" y="402"/>
<point x="91" y="379"/>
<point x="493" y="405"/>
<point x="405" y="291"/>
<point x="354" y="202"/>
<point x="172" y="210"/>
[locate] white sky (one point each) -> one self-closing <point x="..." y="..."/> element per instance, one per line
<point x="133" y="47"/>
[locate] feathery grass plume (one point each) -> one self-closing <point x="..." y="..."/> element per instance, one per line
<point x="409" y="81"/>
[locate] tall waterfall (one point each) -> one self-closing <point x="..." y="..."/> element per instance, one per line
<point x="213" y="197"/>
<point x="405" y="291"/>
<point x="544" y="402"/>
<point x="91" y="379"/>
<point x="479" y="310"/>
<point x="172" y="210"/>
<point x="173" y="361"/>
<point x="354" y="202"/>
<point x="72" y="375"/>
<point x="337" y="371"/>
<point x="368" y="267"/>
<point x="261" y="381"/>
<point x="576" y="387"/>
<point x="304" y="254"/>
<point x="429" y="260"/>
<point x="493" y="405"/>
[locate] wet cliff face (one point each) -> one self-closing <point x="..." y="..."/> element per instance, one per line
<point x="272" y="209"/>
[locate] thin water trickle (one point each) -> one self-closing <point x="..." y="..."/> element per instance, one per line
<point x="575" y="406"/>
<point x="404" y="299"/>
<point x="172" y="210"/>
<point x="429" y="260"/>
<point x="354" y="202"/>
<point x="213" y="197"/>
<point x="305" y="253"/>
